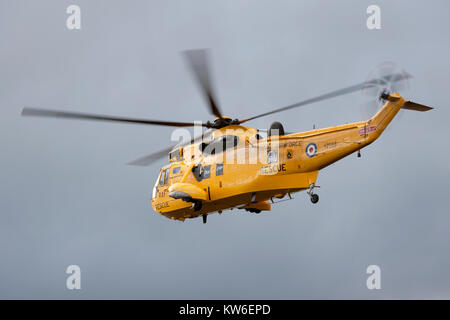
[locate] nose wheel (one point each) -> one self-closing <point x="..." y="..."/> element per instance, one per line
<point x="313" y="196"/>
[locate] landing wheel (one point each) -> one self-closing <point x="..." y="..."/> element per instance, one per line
<point x="314" y="197"/>
<point x="253" y="210"/>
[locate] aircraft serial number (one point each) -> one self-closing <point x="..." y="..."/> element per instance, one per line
<point x="272" y="169"/>
<point x="330" y="145"/>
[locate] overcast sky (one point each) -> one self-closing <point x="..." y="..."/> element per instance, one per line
<point x="68" y="197"/>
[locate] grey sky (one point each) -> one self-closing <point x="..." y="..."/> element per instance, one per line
<point x="67" y="197"/>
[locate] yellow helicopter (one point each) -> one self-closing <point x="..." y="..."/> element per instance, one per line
<point x="231" y="166"/>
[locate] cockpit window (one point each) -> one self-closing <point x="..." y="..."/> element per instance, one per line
<point x="176" y="170"/>
<point x="166" y="176"/>
<point x="161" y="178"/>
<point x="219" y="145"/>
<point x="155" y="187"/>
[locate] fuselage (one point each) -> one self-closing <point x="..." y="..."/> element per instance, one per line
<point x="249" y="170"/>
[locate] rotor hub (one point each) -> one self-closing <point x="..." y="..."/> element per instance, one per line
<point x="219" y="123"/>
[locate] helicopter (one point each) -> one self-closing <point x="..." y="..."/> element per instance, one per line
<point x="233" y="166"/>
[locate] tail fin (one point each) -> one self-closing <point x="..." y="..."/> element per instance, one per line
<point x="394" y="102"/>
<point x="409" y="105"/>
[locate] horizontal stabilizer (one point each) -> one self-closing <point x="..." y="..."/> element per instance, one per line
<point x="409" y="105"/>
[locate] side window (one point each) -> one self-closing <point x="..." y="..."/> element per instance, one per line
<point x="176" y="154"/>
<point x="219" y="169"/>
<point x="219" y="145"/>
<point x="206" y="172"/>
<point x="166" y="176"/>
<point x="161" y="178"/>
<point x="272" y="156"/>
<point x="176" y="170"/>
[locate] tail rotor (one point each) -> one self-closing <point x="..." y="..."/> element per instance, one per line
<point x="388" y="78"/>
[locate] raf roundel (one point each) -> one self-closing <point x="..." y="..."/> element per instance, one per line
<point x="311" y="149"/>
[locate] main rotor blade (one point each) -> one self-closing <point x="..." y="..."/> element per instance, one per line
<point x="199" y="65"/>
<point x="35" y="112"/>
<point x="149" y="159"/>
<point x="333" y="94"/>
